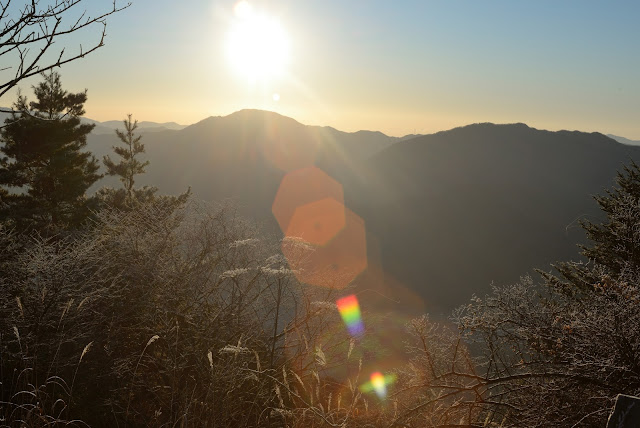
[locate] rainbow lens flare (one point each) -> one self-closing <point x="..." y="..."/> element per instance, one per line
<point x="378" y="383"/>
<point x="350" y="313"/>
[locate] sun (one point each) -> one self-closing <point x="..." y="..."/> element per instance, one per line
<point x="257" y="45"/>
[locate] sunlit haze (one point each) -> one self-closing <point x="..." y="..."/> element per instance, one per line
<point x="399" y="68"/>
<point x="257" y="46"/>
<point x="311" y="213"/>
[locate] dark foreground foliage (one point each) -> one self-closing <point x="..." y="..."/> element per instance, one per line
<point x="186" y="315"/>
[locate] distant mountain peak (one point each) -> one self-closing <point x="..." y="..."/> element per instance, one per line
<point x="257" y="116"/>
<point x="624" y="140"/>
<point x="247" y="115"/>
<point x="515" y="129"/>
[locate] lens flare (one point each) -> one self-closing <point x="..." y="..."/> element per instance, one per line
<point x="319" y="222"/>
<point x="378" y="384"/>
<point x="350" y="313"/>
<point x="301" y="187"/>
<point x="337" y="263"/>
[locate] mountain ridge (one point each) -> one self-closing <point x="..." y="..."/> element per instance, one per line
<point x="499" y="199"/>
<point x="447" y="213"/>
<point x="623" y="140"/>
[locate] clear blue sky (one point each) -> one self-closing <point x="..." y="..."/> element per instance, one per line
<point x="398" y="67"/>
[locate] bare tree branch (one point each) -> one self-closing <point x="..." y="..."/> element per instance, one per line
<point x="36" y="28"/>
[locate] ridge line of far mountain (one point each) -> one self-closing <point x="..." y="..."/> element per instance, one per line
<point x="107" y="127"/>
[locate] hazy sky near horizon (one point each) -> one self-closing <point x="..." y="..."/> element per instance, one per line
<point x="397" y="67"/>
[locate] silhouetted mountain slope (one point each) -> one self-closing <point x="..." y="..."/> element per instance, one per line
<point x="117" y="124"/>
<point x="144" y="127"/>
<point x="447" y="213"/>
<point x="242" y="155"/>
<point x="459" y="209"/>
<point x="109" y="126"/>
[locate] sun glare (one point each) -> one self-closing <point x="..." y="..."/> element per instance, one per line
<point x="257" y="45"/>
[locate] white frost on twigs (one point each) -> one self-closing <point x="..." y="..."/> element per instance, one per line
<point x="324" y="305"/>
<point x="243" y="242"/>
<point x="233" y="273"/>
<point x="232" y="349"/>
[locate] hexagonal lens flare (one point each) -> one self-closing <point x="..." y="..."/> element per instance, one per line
<point x="317" y="223"/>
<point x="335" y="264"/>
<point x="302" y="187"/>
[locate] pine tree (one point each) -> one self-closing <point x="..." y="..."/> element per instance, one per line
<point x="44" y="172"/>
<point x="129" y="166"/>
<point x="615" y="244"/>
<point x="127" y="169"/>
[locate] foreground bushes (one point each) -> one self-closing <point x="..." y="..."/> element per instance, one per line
<point x="165" y="316"/>
<point x="151" y="317"/>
